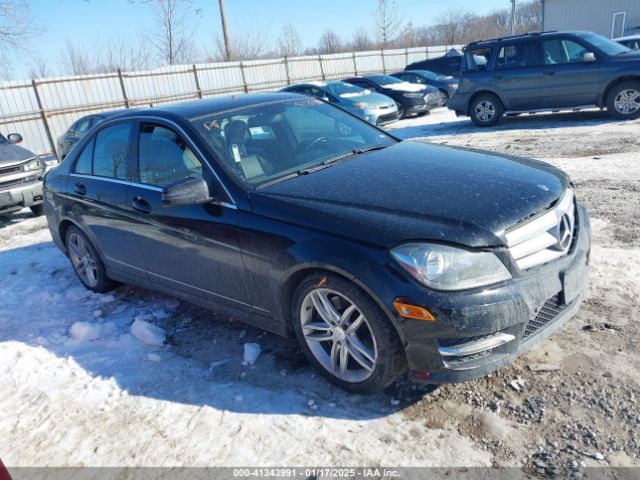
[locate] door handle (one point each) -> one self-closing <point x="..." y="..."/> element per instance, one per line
<point x="141" y="205"/>
<point x="80" y="189"/>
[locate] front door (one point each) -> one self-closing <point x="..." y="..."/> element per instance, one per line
<point x="192" y="248"/>
<point x="568" y="81"/>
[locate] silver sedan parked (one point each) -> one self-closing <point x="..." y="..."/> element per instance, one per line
<point x="373" y="107"/>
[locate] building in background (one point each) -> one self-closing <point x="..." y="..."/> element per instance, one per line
<point x="611" y="18"/>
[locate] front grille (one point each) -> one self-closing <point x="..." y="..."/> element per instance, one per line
<point x="389" y="117"/>
<point x="8" y="170"/>
<point x="19" y="181"/>
<point x="546" y="237"/>
<point x="546" y="315"/>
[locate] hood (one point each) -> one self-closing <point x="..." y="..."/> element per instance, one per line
<point x="371" y="99"/>
<point x="11" y="154"/>
<point x="416" y="191"/>
<point x="632" y="56"/>
<point x="404" y="87"/>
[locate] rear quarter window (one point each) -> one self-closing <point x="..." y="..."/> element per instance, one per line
<point x="477" y="59"/>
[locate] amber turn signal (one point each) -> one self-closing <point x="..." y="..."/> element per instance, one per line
<point x="413" y="311"/>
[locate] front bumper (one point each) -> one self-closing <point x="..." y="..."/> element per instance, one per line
<point x="16" y="197"/>
<point x="459" y="102"/>
<point x="478" y="331"/>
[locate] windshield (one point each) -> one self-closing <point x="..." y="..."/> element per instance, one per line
<point x="263" y="143"/>
<point x="345" y="90"/>
<point x="430" y="75"/>
<point x="607" y="46"/>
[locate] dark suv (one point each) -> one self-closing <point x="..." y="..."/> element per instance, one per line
<point x="547" y="72"/>
<point x="302" y="219"/>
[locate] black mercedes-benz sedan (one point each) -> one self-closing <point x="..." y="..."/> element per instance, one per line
<point x="295" y="216"/>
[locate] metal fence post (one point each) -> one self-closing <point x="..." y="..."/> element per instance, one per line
<point x="406" y="56"/>
<point x="286" y="70"/>
<point x="195" y="77"/>
<point x="43" y="115"/>
<point x="124" y="90"/>
<point x="321" y="68"/>
<point x="244" y="78"/>
<point x="355" y="64"/>
<point x="384" y="66"/>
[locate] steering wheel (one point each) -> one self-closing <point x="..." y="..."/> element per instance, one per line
<point x="317" y="142"/>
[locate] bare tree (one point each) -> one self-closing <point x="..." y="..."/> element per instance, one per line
<point x="329" y="42"/>
<point x="16" y="25"/>
<point x="289" y="43"/>
<point x="388" y="22"/>
<point x="172" y="37"/>
<point x="124" y="55"/>
<point x="246" y="46"/>
<point x="40" y="68"/>
<point x="409" y="37"/>
<point x="361" y="41"/>
<point x="74" y="60"/>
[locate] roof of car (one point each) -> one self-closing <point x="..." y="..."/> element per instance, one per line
<point x="207" y="106"/>
<point x="524" y="36"/>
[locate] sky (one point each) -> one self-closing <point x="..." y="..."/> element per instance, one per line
<point x="91" y="22"/>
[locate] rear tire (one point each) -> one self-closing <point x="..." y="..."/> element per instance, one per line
<point x="357" y="328"/>
<point x="486" y="110"/>
<point x="623" y="101"/>
<point x="86" y="262"/>
<point x="37" y="210"/>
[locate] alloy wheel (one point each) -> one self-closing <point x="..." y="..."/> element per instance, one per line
<point x="485" y="111"/>
<point x="83" y="260"/>
<point x="338" y="335"/>
<point x="627" y="102"/>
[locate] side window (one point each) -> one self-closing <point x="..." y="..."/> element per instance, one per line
<point x="477" y="59"/>
<point x="520" y="55"/>
<point x="163" y="157"/>
<point x="83" y="163"/>
<point x="110" y="153"/>
<point x="562" y="52"/>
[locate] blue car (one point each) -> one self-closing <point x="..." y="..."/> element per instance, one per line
<point x="373" y="107"/>
<point x="445" y="84"/>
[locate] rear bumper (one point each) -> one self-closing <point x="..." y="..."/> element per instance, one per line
<point x="17" y="197"/>
<point x="478" y="331"/>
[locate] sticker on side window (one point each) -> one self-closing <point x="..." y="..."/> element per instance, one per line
<point x="211" y="124"/>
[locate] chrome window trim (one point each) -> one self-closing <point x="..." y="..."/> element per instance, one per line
<point x="180" y="130"/>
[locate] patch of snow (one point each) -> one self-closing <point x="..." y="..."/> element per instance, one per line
<point x="153" y="357"/>
<point x="251" y="353"/>
<point x="148" y="333"/>
<point x="85" y="331"/>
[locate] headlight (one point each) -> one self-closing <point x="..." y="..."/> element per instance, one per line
<point x="412" y="95"/>
<point x="31" y="166"/>
<point x="448" y="268"/>
<point x="453" y="86"/>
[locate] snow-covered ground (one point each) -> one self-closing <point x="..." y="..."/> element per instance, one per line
<point x="138" y="378"/>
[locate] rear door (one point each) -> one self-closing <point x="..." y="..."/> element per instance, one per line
<point x="568" y="81"/>
<point x="191" y="248"/>
<point x="98" y="184"/>
<point x="517" y="75"/>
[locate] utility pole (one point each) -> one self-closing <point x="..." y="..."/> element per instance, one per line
<point x="228" y="49"/>
<point x="513" y="17"/>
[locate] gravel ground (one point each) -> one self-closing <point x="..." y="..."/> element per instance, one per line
<point x="572" y="401"/>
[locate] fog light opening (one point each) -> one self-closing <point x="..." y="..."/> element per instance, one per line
<point x="407" y="310"/>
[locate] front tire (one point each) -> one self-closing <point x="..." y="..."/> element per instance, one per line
<point x="345" y="334"/>
<point x="623" y="101"/>
<point x="86" y="262"/>
<point x="486" y="110"/>
<point x="401" y="111"/>
<point x="37" y="210"/>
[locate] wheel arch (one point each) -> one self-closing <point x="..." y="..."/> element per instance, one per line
<point x="63" y="228"/>
<point x="288" y="288"/>
<point x="612" y="84"/>
<point x="482" y="92"/>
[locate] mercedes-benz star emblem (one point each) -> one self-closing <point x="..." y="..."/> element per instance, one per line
<point x="564" y="233"/>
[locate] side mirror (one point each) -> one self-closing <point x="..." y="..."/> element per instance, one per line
<point x="188" y="191"/>
<point x="14" y="137"/>
<point x="588" y="57"/>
